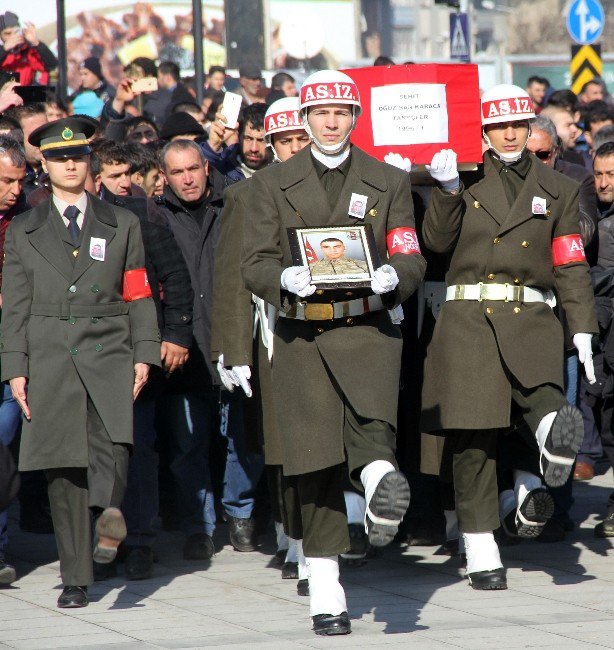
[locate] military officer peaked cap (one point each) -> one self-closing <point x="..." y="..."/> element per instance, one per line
<point x="65" y="137"/>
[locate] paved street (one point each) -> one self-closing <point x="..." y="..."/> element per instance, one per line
<point x="560" y="596"/>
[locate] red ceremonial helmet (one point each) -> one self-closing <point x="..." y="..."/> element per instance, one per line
<point x="329" y="87"/>
<point x="283" y="115"/>
<point x="506" y="103"/>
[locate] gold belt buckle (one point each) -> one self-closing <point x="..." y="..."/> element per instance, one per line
<point x="319" y="311"/>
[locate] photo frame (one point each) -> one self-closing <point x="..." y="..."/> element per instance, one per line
<point x="339" y="257"/>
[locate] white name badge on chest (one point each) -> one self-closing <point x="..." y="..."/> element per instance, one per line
<point x="538" y="206"/>
<point x="98" y="248"/>
<point x="358" y="205"/>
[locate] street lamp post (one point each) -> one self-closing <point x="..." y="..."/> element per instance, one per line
<point x="62" y="58"/>
<point x="197" y="31"/>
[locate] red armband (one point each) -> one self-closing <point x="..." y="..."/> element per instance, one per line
<point x="136" y="285"/>
<point x="402" y="240"/>
<point x="567" y="249"/>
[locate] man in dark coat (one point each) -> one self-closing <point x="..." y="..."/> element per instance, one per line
<point x="77" y="306"/>
<point x="514" y="238"/>
<point x="169" y="279"/>
<point x="12" y="203"/>
<point x="192" y="203"/>
<point x="337" y="355"/>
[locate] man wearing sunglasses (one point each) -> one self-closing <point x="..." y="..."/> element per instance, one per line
<point x="544" y="143"/>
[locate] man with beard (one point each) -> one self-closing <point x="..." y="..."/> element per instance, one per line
<point x="240" y="160"/>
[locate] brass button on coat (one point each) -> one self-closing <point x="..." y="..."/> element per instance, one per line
<point x="489" y="310"/>
<point x="476" y="204"/>
<point x="94" y="288"/>
<point x="491" y="276"/>
<point x="98" y="347"/>
<point x="72" y="320"/>
<point x="74" y="351"/>
<point x="525" y="244"/>
<point x="320" y="292"/>
<point x="496" y="240"/>
<point x="72" y="288"/>
<point x="320" y="330"/>
<point x="516" y="280"/>
<point x="516" y="310"/>
<point x="349" y="321"/>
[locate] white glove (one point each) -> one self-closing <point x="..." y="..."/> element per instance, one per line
<point x="226" y="375"/>
<point x="444" y="170"/>
<point x="241" y="376"/>
<point x="397" y="160"/>
<point x="385" y="279"/>
<point x="296" y="279"/>
<point x="582" y="343"/>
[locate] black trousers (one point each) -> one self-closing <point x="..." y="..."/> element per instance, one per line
<point x="314" y="502"/>
<point x="77" y="493"/>
<point x="471" y="455"/>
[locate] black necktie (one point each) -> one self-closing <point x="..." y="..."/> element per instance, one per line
<point x="71" y="213"/>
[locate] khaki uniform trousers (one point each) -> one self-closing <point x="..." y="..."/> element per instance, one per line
<point x="77" y="493"/>
<point x="470" y="460"/>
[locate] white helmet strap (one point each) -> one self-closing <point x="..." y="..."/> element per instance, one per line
<point x="328" y="149"/>
<point x="504" y="157"/>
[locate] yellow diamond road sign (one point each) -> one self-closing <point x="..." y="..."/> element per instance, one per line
<point x="586" y="64"/>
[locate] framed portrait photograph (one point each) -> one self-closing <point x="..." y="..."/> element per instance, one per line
<point x="338" y="257"/>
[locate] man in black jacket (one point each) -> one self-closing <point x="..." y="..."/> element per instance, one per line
<point x="193" y="202"/>
<point x="173" y="296"/>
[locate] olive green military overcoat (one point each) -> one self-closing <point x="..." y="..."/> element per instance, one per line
<point x="318" y="366"/>
<point x="67" y="328"/>
<point x="233" y="316"/>
<point x="479" y="348"/>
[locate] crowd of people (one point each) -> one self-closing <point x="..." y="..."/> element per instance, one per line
<point x="167" y="362"/>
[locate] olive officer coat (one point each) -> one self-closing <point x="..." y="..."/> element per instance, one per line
<point x="66" y="327"/>
<point x="232" y="320"/>
<point x="479" y="348"/>
<point x="318" y="365"/>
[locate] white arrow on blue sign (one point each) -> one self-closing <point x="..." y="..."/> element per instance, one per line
<point x="585" y="21"/>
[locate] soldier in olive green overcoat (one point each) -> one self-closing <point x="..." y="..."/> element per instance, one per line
<point x="337" y="355"/>
<point x="79" y="325"/>
<point x="515" y="250"/>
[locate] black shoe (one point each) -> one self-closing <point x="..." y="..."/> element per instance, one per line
<point x="242" y="534"/>
<point x="104" y="571"/>
<point x="73" y="597"/>
<point x="450" y="547"/>
<point x="603" y="529"/>
<point x="198" y="547"/>
<point x="387" y="508"/>
<point x="289" y="571"/>
<point x="553" y="531"/>
<point x="139" y="563"/>
<point x="359" y="545"/>
<point x="488" y="580"/>
<point x="562" y="444"/>
<point x="302" y="587"/>
<point x="529" y="519"/>
<point x="280" y="557"/>
<point x="424" y="533"/>
<point x="8" y="575"/>
<point x="329" y="625"/>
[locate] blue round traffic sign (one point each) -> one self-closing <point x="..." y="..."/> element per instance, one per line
<point x="585" y="21"/>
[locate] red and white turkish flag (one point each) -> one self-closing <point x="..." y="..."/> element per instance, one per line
<point x="311" y="254"/>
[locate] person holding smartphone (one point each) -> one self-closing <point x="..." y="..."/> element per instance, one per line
<point x="22" y="53"/>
